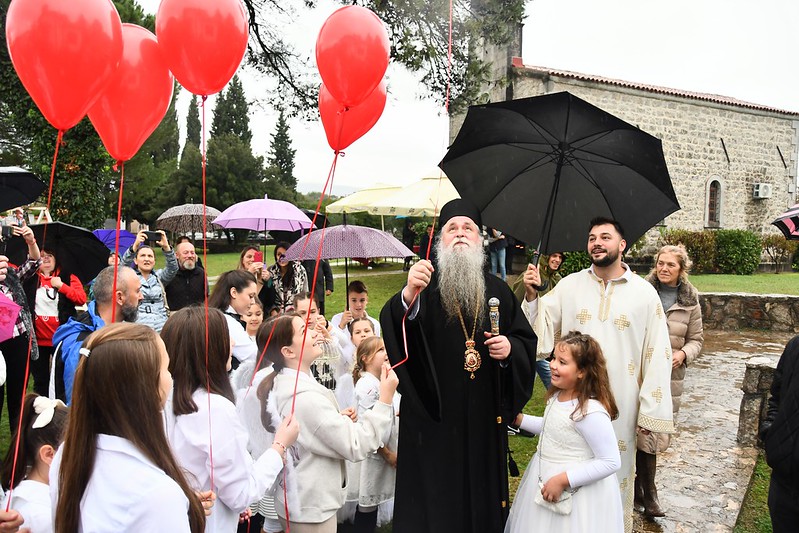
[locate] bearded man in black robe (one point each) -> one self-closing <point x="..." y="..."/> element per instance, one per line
<point x="460" y="385"/>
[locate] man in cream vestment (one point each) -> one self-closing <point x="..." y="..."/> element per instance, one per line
<point x="623" y="312"/>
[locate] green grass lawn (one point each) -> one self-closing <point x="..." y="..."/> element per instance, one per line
<point x="764" y="283"/>
<point x="754" y="516"/>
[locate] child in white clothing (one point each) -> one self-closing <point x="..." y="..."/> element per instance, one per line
<point x="315" y="484"/>
<point x="376" y="474"/>
<point x="43" y="425"/>
<point x="570" y="485"/>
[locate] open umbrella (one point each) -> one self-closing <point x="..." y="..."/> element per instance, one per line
<point x="77" y="250"/>
<point x="109" y="236"/>
<point x="9" y="312"/>
<point x="361" y="200"/>
<point x="186" y="218"/>
<point x="423" y="198"/>
<point x="18" y="187"/>
<point x="541" y="168"/>
<point x="263" y="214"/>
<point x="347" y="241"/>
<point x="788" y="223"/>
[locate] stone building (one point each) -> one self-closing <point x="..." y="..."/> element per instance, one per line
<point x="733" y="164"/>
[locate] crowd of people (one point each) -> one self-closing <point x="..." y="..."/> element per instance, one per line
<point x="260" y="414"/>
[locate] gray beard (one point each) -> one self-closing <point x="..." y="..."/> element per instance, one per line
<point x="188" y="264"/>
<point x="461" y="282"/>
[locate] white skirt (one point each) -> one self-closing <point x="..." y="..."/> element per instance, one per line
<point x="595" y="507"/>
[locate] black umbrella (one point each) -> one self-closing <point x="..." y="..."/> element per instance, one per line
<point x="18" y="187"/>
<point x="541" y="168"/>
<point x="77" y="250"/>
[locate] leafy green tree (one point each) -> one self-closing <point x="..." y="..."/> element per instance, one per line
<point x="233" y="173"/>
<point x="231" y="113"/>
<point x="193" y="126"/>
<point x="281" y="154"/>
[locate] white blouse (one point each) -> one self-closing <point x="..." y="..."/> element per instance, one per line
<point x="238" y="480"/>
<point x="126" y="492"/>
<point x="244" y="348"/>
<point x="31" y="499"/>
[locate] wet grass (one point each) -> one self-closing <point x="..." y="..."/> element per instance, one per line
<point x="754" y="516"/>
<point x="765" y="283"/>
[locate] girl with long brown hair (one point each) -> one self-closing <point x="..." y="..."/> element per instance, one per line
<point x="315" y="478"/>
<point x="115" y="470"/>
<point x="570" y="484"/>
<point x="202" y="424"/>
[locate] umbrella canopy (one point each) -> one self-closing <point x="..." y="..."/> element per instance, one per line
<point x="109" y="236"/>
<point x="18" y="187"/>
<point x="263" y="214"/>
<point x="186" y="218"/>
<point x="788" y="223"/>
<point x="541" y="168"/>
<point x="9" y="312"/>
<point x="77" y="250"/>
<point x="361" y="200"/>
<point x="348" y="241"/>
<point x="423" y="198"/>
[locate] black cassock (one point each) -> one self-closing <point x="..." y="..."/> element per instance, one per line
<point x="452" y="470"/>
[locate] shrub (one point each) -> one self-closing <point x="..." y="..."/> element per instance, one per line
<point x="700" y="245"/>
<point x="737" y="251"/>
<point x="779" y="249"/>
<point x="574" y="262"/>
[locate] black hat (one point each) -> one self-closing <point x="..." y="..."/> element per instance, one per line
<point x="459" y="208"/>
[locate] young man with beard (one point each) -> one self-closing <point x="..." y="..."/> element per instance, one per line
<point x="460" y="385"/>
<point x="106" y="308"/>
<point x="188" y="287"/>
<point x="623" y="312"/>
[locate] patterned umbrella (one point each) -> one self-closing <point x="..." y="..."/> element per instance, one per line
<point x="788" y="223"/>
<point x="186" y="218"/>
<point x="348" y="241"/>
<point x="263" y="214"/>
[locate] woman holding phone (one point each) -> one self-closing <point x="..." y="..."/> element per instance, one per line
<point x="251" y="259"/>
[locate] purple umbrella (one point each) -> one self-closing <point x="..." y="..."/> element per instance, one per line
<point x="347" y="241"/>
<point x="263" y="214"/>
<point x="108" y="237"/>
<point x="788" y="223"/>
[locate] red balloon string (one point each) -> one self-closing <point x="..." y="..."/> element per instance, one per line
<point x="205" y="262"/>
<point x="19" y="423"/>
<point x="59" y="140"/>
<point x="116" y="241"/>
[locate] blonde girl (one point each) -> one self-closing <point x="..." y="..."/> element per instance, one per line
<point x="377" y="473"/>
<point x="43" y="424"/>
<point x="115" y="470"/>
<point x="316" y="480"/>
<point x="570" y="484"/>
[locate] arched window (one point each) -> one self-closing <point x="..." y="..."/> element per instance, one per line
<point x="714" y="204"/>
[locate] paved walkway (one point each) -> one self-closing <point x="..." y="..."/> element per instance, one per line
<point x="703" y="477"/>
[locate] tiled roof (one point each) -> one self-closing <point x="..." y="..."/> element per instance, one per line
<point x="517" y="63"/>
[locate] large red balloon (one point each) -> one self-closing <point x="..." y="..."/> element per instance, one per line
<point x="64" y="52"/>
<point x="203" y="41"/>
<point x="343" y="125"/>
<point x="352" y="54"/>
<point x="136" y="100"/>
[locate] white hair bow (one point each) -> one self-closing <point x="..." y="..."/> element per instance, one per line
<point x="45" y="408"/>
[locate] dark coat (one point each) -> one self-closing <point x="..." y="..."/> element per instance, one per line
<point x="780" y="429"/>
<point x="186" y="288"/>
<point x="452" y="464"/>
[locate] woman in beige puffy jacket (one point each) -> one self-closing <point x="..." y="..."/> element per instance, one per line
<point x="680" y="299"/>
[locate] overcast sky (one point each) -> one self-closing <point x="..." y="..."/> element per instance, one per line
<point x="729" y="47"/>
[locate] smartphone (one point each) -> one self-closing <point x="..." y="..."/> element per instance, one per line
<point x="258" y="257"/>
<point x="7" y="232"/>
<point x="152" y="236"/>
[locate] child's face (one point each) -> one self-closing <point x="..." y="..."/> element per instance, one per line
<point x="254" y="317"/>
<point x="565" y="373"/>
<point x="374" y="364"/>
<point x="313" y="341"/>
<point x="305" y="307"/>
<point x="358" y="302"/>
<point x="361" y="330"/>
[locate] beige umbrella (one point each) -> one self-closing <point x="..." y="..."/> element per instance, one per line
<point x="361" y="200"/>
<point x="423" y="198"/>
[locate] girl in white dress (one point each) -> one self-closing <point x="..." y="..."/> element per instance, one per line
<point x="315" y="483"/>
<point x="570" y="484"/>
<point x="43" y="424"/>
<point x="359" y="329"/>
<point x="377" y="473"/>
<point x="253" y="318"/>
<point x="203" y="428"/>
<point x="115" y="471"/>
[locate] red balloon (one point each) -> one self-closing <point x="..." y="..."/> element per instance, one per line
<point x="136" y="100"/>
<point x="203" y="41"/>
<point x="64" y="53"/>
<point x="345" y="125"/>
<point x="352" y="54"/>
